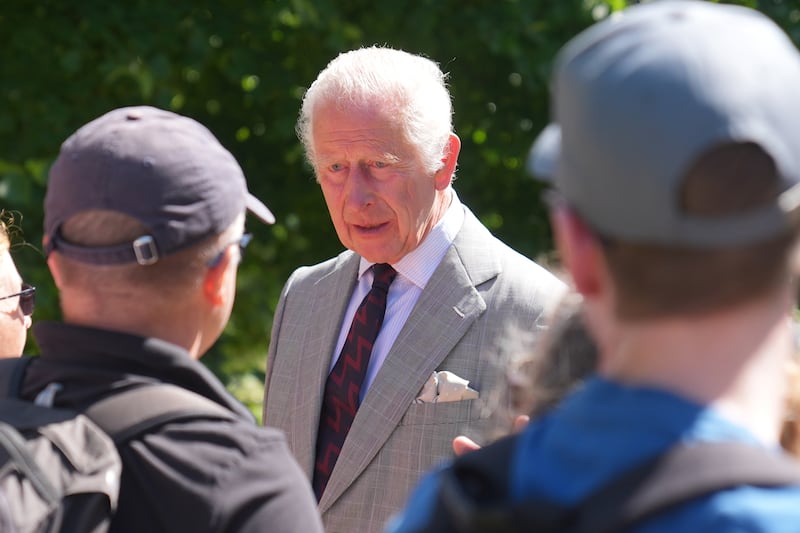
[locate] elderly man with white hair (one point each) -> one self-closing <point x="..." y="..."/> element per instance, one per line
<point x="382" y="355"/>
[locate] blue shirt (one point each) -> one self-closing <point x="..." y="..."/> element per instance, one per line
<point x="607" y="428"/>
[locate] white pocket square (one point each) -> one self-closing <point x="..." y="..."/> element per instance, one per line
<point x="444" y="386"/>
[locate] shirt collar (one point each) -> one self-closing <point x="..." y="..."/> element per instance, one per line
<point x="418" y="265"/>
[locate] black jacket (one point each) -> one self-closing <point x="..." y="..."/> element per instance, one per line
<point x="192" y="475"/>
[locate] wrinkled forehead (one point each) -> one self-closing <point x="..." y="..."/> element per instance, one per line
<point x="378" y="106"/>
<point x="369" y="129"/>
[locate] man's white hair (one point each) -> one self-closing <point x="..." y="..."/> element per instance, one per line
<point x="410" y="87"/>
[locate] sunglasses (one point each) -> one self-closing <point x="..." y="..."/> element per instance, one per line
<point x="27" y="298"/>
<point x="242" y="241"/>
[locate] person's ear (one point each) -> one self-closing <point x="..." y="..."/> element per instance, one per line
<point x="580" y="251"/>
<point x="52" y="264"/>
<point x="444" y="176"/>
<point x="214" y="282"/>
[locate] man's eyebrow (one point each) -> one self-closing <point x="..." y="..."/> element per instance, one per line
<point x="390" y="157"/>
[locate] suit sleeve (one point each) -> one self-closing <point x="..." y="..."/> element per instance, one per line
<point x="273" y="343"/>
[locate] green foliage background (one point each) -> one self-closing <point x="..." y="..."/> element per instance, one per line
<point x="240" y="67"/>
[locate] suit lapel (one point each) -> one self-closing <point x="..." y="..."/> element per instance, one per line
<point x="446" y="309"/>
<point x="327" y="302"/>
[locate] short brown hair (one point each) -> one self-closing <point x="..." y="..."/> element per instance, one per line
<point x="568" y="355"/>
<point x="656" y="281"/>
<point x="561" y="360"/>
<point x="107" y="228"/>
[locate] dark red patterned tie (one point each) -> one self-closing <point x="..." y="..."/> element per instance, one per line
<point x="340" y="402"/>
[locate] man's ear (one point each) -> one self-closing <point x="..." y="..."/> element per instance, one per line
<point x="52" y="264"/>
<point x="214" y="281"/>
<point x="580" y="251"/>
<point x="444" y="176"/>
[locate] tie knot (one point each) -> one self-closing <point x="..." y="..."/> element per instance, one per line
<point x="384" y="275"/>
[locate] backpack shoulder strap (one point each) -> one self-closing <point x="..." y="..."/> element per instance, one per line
<point x="683" y="473"/>
<point x="138" y="410"/>
<point x="474" y="496"/>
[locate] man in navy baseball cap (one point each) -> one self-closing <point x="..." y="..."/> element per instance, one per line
<point x="164" y="170"/>
<point x="144" y="231"/>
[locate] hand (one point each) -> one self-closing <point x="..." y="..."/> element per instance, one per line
<point x="462" y="444"/>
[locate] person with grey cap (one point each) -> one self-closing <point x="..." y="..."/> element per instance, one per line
<point x="144" y="230"/>
<point x="675" y="159"/>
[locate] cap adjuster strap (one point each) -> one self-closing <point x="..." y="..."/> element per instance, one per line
<point x="145" y="249"/>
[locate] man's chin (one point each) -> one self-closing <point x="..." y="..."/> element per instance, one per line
<point x="375" y="255"/>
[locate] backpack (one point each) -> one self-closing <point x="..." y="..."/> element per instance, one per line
<point x="474" y="494"/>
<point x="59" y="468"/>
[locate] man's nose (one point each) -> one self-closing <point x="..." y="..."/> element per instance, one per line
<point x="360" y="191"/>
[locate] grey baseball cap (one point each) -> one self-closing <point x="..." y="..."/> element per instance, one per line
<point x="639" y="97"/>
<point x="166" y="170"/>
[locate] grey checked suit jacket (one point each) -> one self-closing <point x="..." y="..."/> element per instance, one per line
<point x="480" y="291"/>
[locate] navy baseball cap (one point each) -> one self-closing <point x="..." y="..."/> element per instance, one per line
<point x="638" y="98"/>
<point x="166" y="170"/>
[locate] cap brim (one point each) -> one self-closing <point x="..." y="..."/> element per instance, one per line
<point x="543" y="155"/>
<point x="257" y="207"/>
